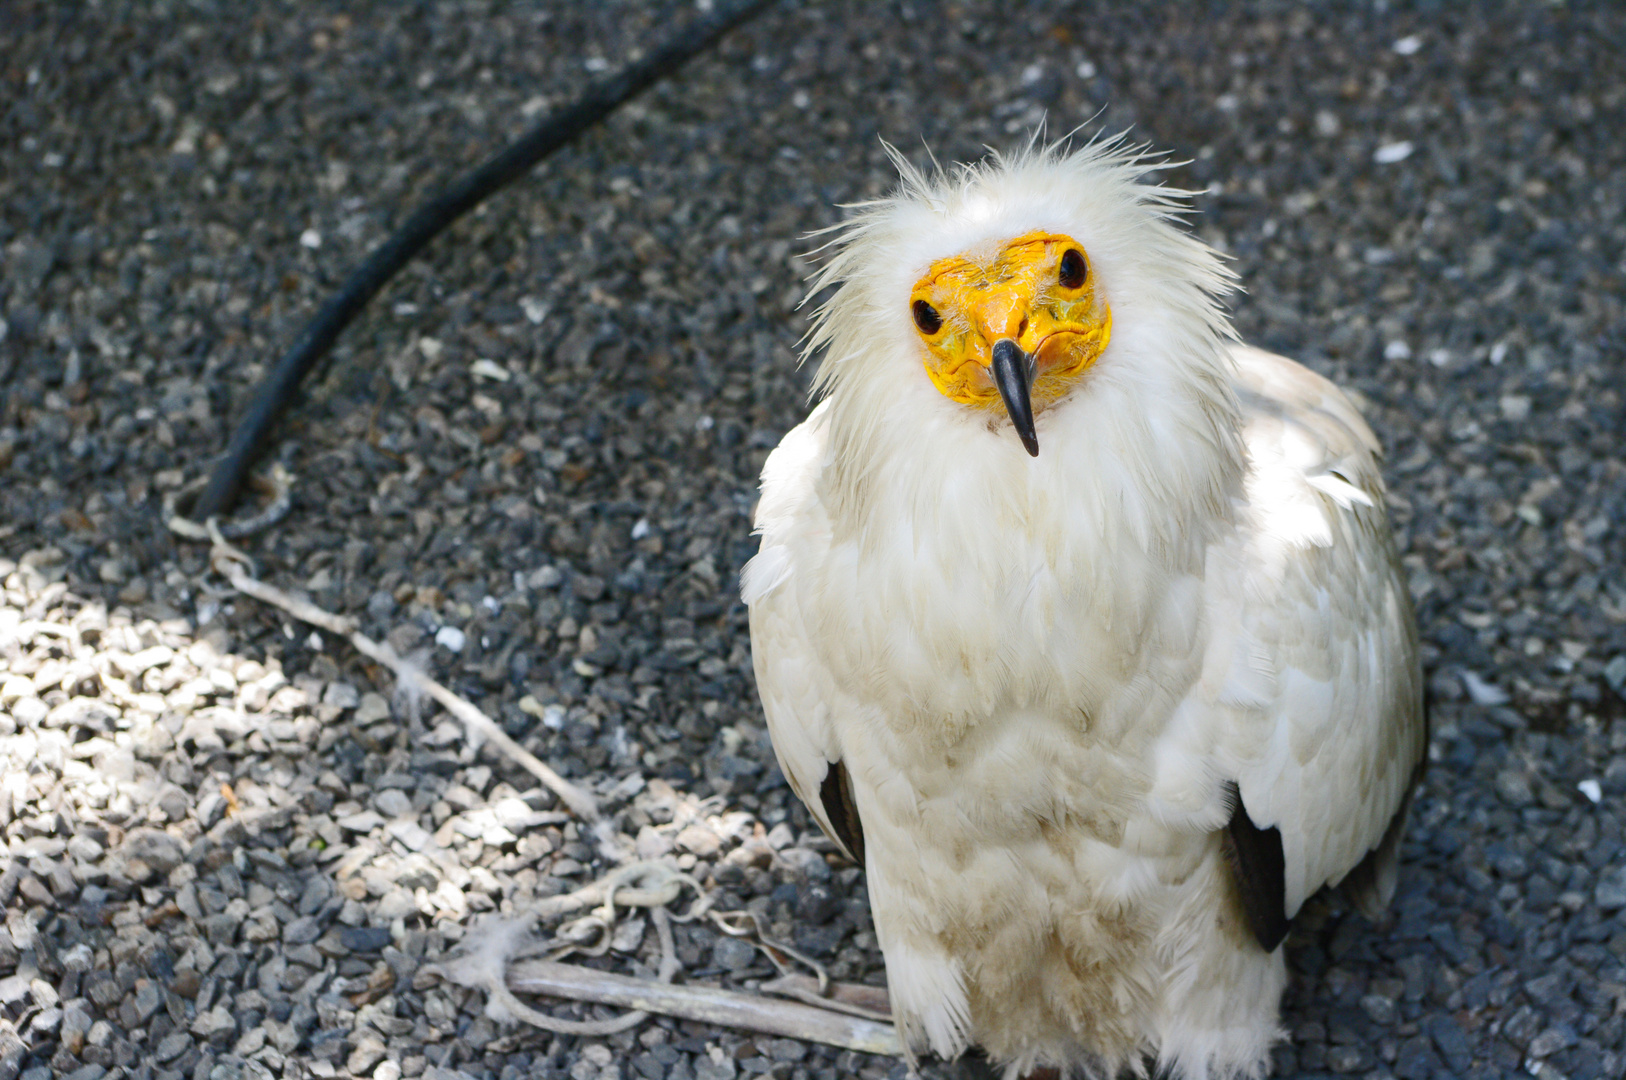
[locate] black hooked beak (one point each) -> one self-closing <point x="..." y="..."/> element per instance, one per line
<point x="1013" y="372"/>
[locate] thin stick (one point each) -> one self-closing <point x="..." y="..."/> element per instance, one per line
<point x="854" y="999"/>
<point x="705" y="1004"/>
<point x="231" y="563"/>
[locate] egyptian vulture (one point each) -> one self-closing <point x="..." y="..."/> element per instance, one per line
<point x="1079" y="624"/>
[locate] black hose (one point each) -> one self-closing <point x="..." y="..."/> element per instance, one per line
<point x="601" y="98"/>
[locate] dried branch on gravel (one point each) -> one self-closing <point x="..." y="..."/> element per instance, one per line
<point x="237" y="568"/>
<point x="706" y="1004"/>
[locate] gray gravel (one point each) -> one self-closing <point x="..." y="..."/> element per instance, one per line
<point x="229" y="851"/>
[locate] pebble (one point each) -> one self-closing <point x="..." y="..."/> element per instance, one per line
<point x="1390" y="154"/>
<point x="341" y="695"/>
<point x="146" y="999"/>
<point x="372" y="708"/>
<point x="1610" y="893"/>
<point x="699" y="840"/>
<point x="733" y="954"/>
<point x="393" y="803"/>
<point x="302" y="931"/>
<point x="364" y="938"/>
<point x="171" y="1046"/>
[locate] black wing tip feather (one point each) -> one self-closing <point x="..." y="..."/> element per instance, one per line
<point x="836" y="796"/>
<point x="1260" y="870"/>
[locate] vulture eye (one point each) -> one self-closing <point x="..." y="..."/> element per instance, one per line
<point x="1073" y="270"/>
<point x="927" y="318"/>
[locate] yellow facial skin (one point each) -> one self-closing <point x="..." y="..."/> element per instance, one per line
<point x="1022" y="293"/>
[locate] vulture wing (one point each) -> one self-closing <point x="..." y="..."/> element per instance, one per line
<point x="796" y="690"/>
<point x="1322" y="684"/>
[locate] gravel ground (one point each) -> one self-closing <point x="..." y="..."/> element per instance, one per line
<point x="229" y="852"/>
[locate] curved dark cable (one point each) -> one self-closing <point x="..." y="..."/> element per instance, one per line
<point x="596" y="102"/>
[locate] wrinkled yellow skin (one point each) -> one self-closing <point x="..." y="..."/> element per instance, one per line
<point x="1016" y="294"/>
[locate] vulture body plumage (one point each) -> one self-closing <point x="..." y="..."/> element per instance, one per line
<point x="1079" y="624"/>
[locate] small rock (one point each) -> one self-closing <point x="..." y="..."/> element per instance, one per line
<point x="211" y="807"/>
<point x="174" y="803"/>
<point x="75" y="1026"/>
<point x="341" y="695"/>
<point x="1610" y="894"/>
<point x="172" y="1046"/>
<point x="216" y="1026"/>
<point x="1348" y="1059"/>
<point x="652" y="844"/>
<point x="733" y="954"/>
<point x="316" y="893"/>
<point x="45" y="1022"/>
<point x="416" y="872"/>
<point x="1556" y="1038"/>
<point x="397" y="903"/>
<point x="302" y="931"/>
<point x="43" y="993"/>
<point x="159" y="851"/>
<point x="85" y="849"/>
<point x="104" y="992"/>
<point x="721" y="1067"/>
<point x="1514" y="788"/>
<point x="13" y="988"/>
<point x="1451" y="1041"/>
<point x="373" y="708"/>
<point x="629" y="934"/>
<point x="14" y="689"/>
<point x="362" y="822"/>
<point x="380" y="606"/>
<point x="186" y="981"/>
<point x="807" y="863"/>
<point x="1614" y="673"/>
<point x="248" y="1044"/>
<point x="1391" y="154"/>
<point x="1481" y="692"/>
<point x="393" y="803"/>
<point x="364" y="938"/>
<point x="1548" y="990"/>
<point x="145" y="660"/>
<point x="451" y="638"/>
<point x="147" y="999"/>
<point x="369" y="1052"/>
<point x="34" y="891"/>
<point x="222" y="929"/>
<point x="78" y="958"/>
<point x="817" y="904"/>
<point x="699" y="840"/>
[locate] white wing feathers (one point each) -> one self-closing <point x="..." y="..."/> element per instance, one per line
<point x="1331" y="729"/>
<point x="796" y="690"/>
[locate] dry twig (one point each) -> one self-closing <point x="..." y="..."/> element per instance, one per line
<point x="709" y="1005"/>
<point x="237" y="568"/>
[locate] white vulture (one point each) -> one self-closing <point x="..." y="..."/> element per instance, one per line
<point x="1079" y="624"/>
